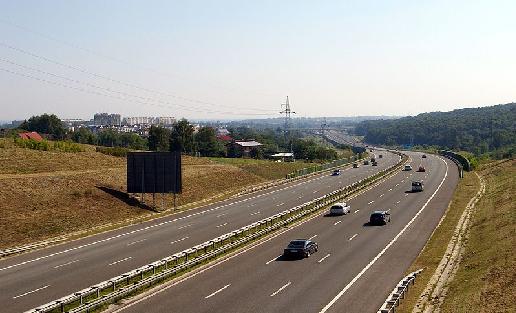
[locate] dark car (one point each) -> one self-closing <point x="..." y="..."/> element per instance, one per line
<point x="424" y="156"/>
<point x="375" y="163"/>
<point x="335" y="172"/>
<point x="379" y="217"/>
<point x="300" y="248"/>
<point x="380" y="156"/>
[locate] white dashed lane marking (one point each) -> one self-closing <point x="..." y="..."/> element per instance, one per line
<point x="216" y="292"/>
<point x="279" y="290"/>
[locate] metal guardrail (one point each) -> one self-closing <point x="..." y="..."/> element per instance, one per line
<point x="458" y="163"/>
<point x="398" y="293"/>
<point x="459" y="158"/>
<point x="290" y="178"/>
<point x="118" y="287"/>
<point x="322" y="167"/>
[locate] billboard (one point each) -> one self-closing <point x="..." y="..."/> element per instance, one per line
<point x="154" y="172"/>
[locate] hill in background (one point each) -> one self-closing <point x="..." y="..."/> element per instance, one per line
<point x="477" y="130"/>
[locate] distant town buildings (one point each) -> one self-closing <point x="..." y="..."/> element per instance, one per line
<point x="148" y="120"/>
<point x="105" y="119"/>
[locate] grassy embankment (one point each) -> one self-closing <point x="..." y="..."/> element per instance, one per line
<point x="486" y="278"/>
<point x="44" y="194"/>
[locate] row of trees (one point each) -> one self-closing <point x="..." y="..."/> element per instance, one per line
<point x="182" y="137"/>
<point x="478" y="130"/>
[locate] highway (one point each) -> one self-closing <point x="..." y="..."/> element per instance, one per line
<point x="355" y="269"/>
<point x="34" y="278"/>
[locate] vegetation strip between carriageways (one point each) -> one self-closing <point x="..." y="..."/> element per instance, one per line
<point x="98" y="296"/>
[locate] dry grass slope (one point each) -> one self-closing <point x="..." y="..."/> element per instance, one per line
<point x="46" y="194"/>
<point x="486" y="279"/>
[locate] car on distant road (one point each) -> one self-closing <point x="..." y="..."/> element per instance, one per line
<point x="340" y="209"/>
<point x="380" y="217"/>
<point x="408" y="167"/>
<point x="375" y="163"/>
<point x="417" y="186"/>
<point x="424" y="156"/>
<point x="300" y="248"/>
<point x="380" y="156"/>
<point x="335" y="172"/>
<point x="421" y="169"/>
<point x="366" y="162"/>
<point x="355" y="165"/>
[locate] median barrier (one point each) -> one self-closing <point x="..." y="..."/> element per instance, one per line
<point x="114" y="289"/>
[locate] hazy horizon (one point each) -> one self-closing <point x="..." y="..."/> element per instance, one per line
<point x="233" y="60"/>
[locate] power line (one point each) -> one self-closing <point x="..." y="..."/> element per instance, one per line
<point x="84" y="71"/>
<point x="118" y="97"/>
<point x="102" y="55"/>
<point x="146" y="99"/>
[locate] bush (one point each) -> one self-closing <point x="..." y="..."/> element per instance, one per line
<point x="32" y="144"/>
<point x="44" y="145"/>
<point x="67" y="146"/>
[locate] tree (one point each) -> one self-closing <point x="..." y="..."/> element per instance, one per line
<point x="83" y="135"/>
<point x="182" y="138"/>
<point x="207" y="143"/>
<point x="108" y="138"/>
<point x="45" y="124"/>
<point x="159" y="139"/>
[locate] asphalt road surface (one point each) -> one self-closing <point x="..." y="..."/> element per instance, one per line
<point x="355" y="269"/>
<point x="35" y="278"/>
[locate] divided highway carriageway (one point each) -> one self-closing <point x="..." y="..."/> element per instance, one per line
<point x="354" y="270"/>
<point x="38" y="277"/>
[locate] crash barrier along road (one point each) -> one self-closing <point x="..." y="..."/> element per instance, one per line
<point x="294" y="176"/>
<point x="116" y="288"/>
<point x="398" y="293"/>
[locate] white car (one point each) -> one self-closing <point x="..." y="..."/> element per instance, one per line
<point x="408" y="167"/>
<point x="340" y="209"/>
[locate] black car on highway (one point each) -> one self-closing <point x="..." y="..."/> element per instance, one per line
<point x="300" y="248"/>
<point x="379" y="217"/>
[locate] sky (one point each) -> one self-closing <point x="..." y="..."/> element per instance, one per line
<point x="240" y="59"/>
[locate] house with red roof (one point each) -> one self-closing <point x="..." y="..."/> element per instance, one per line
<point x="31" y="135"/>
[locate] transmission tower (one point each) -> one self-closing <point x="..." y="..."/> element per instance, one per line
<point x="324" y="126"/>
<point x="287" y="111"/>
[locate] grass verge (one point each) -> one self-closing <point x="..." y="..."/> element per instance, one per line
<point x="486" y="279"/>
<point x="435" y="248"/>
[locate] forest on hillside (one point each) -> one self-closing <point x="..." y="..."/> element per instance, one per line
<point x="477" y="130"/>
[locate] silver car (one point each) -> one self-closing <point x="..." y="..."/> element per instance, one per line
<point x="340" y="209"/>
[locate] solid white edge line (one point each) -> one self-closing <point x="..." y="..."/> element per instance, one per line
<point x="279" y="290"/>
<point x="352" y="237"/>
<point x="337" y="297"/>
<point x="216" y="292"/>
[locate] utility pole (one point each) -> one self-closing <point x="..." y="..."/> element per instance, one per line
<point x="287" y="111"/>
<point x="324" y="126"/>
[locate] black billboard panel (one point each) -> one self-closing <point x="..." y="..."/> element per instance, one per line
<point x="154" y="172"/>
